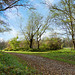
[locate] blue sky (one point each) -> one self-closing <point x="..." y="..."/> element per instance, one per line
<point x="15" y="18"/>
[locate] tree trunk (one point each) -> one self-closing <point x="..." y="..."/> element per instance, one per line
<point x="72" y="26"/>
<point x="38" y="44"/>
<point x="73" y="40"/>
<point x="74" y="45"/>
<point x="31" y="42"/>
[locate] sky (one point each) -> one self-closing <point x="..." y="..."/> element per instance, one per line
<point x="16" y="17"/>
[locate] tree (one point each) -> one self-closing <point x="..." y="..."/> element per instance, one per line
<point x="67" y="42"/>
<point x="30" y="28"/>
<point x="6" y="4"/>
<point x="63" y="13"/>
<point x="42" y="29"/>
<point x="36" y="27"/>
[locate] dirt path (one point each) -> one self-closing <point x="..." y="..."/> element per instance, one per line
<point x="47" y="66"/>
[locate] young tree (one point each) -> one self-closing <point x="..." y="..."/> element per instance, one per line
<point x="64" y="14"/>
<point x="41" y="31"/>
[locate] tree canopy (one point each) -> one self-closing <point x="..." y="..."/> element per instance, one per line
<point x="64" y="15"/>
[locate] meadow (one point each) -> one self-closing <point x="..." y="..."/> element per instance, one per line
<point x="12" y="65"/>
<point x="65" y="55"/>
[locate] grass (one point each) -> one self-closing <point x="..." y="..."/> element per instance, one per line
<point x="11" y="65"/>
<point x="65" y="55"/>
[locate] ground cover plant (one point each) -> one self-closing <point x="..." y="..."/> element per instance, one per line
<point x="11" y="65"/>
<point x="64" y="55"/>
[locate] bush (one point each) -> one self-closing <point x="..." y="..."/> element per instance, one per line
<point x="55" y="43"/>
<point x="8" y="49"/>
<point x="16" y="49"/>
<point x="44" y="47"/>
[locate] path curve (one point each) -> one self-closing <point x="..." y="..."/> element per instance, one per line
<point x="47" y="66"/>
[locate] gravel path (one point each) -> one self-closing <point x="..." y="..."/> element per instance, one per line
<point x="47" y="66"/>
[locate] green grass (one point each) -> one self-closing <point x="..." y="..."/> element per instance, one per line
<point x="65" y="55"/>
<point x="11" y="65"/>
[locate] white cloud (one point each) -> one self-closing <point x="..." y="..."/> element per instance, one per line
<point x="13" y="32"/>
<point x="31" y="0"/>
<point x="4" y="19"/>
<point x="1" y="39"/>
<point x="12" y="13"/>
<point x="37" y="5"/>
<point x="49" y="2"/>
<point x="47" y="34"/>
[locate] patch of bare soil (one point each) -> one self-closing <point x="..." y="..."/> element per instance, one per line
<point x="47" y="66"/>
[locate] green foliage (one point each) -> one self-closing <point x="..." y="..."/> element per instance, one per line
<point x="9" y="67"/>
<point x="64" y="17"/>
<point x="64" y="55"/>
<point x="51" y="44"/>
<point x="37" y="50"/>
<point x="16" y="49"/>
<point x="55" y="43"/>
<point x="44" y="47"/>
<point x="14" y="43"/>
<point x="8" y="49"/>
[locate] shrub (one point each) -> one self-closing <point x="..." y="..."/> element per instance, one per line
<point x="44" y="46"/>
<point x="8" y="49"/>
<point x="55" y="43"/>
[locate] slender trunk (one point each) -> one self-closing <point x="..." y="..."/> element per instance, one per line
<point x="38" y="44"/>
<point x="73" y="40"/>
<point x="74" y="45"/>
